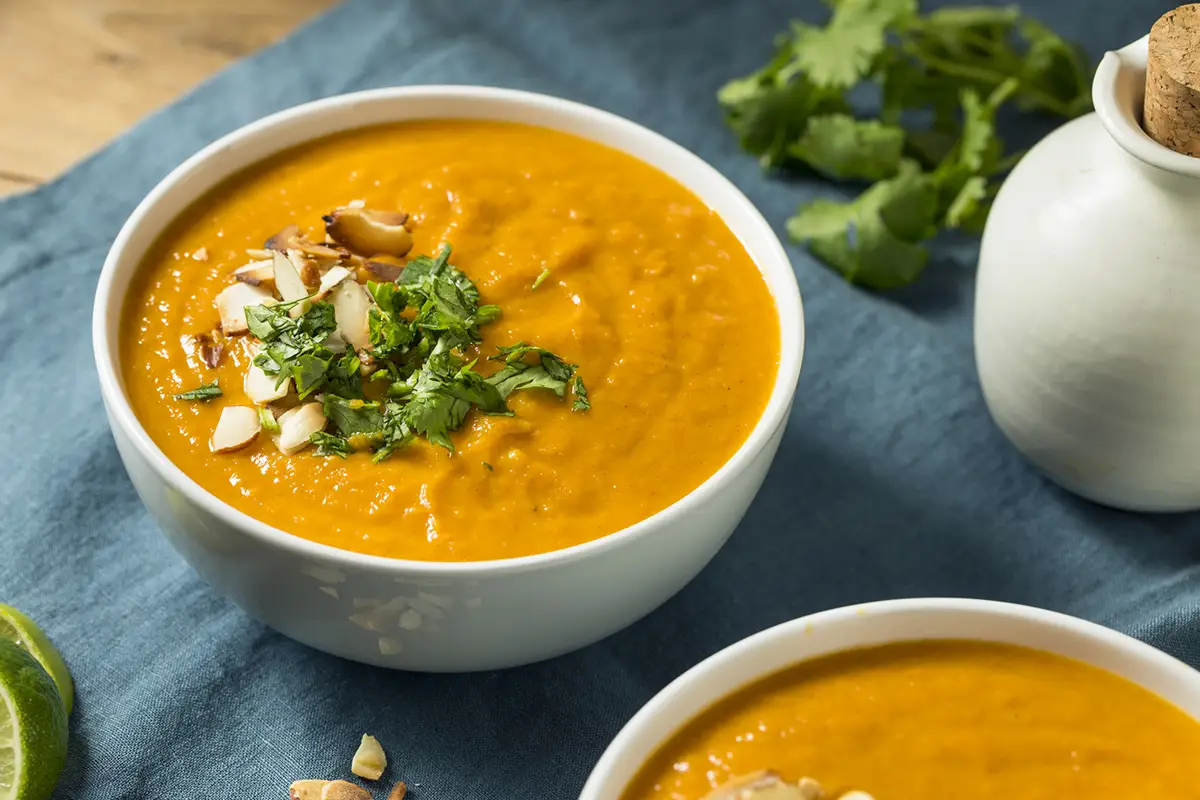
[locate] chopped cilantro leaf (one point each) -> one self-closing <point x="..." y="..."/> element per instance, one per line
<point x="488" y="467"/>
<point x="330" y="445"/>
<point x="202" y="393"/>
<point x="581" y="396"/>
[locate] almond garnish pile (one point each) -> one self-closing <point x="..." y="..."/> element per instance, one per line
<point x="369" y="763"/>
<point x="347" y="367"/>
<point x="294" y="270"/>
<point x="768" y="785"/>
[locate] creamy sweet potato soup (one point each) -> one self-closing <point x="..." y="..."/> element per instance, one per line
<point x="924" y="720"/>
<point x="343" y="379"/>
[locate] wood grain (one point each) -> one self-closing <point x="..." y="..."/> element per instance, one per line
<point x="75" y="73"/>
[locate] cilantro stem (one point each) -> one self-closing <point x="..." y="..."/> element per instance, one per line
<point x="986" y="76"/>
<point x="538" y="282"/>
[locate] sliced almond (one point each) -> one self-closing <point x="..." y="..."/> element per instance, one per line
<point x="810" y="789"/>
<point x="332" y="277"/>
<point x="760" y="785"/>
<point x="335" y="343"/>
<point x="351" y="309"/>
<point x="344" y="790"/>
<point x="259" y="254"/>
<point x="306" y="790"/>
<point x="209" y="349"/>
<point x="368" y="232"/>
<point x="398" y="791"/>
<point x="231" y="305"/>
<point x="261" y="388"/>
<point x="326" y="252"/>
<point x="385" y="271"/>
<point x="289" y="284"/>
<point x="256" y="272"/>
<point x="201" y="254"/>
<point x="280" y="240"/>
<point x="856" y="796"/>
<point x="296" y="426"/>
<point x="370" y="761"/>
<point x="237" y="427"/>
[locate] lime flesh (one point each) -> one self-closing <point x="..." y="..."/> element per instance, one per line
<point x="23" y="632"/>
<point x="33" y="727"/>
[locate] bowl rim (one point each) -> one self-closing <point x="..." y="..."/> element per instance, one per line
<point x="110" y="300"/>
<point x="597" y="786"/>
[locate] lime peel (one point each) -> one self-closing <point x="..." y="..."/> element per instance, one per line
<point x="24" y="633"/>
<point x="33" y="727"/>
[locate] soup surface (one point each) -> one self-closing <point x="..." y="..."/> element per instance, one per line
<point x="645" y="288"/>
<point x="923" y="720"/>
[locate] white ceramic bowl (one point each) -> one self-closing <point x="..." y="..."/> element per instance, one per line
<point x="442" y="616"/>
<point x="880" y="623"/>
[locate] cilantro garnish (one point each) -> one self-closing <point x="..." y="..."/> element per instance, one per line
<point x="202" y="393"/>
<point x="421" y="382"/>
<point x="932" y="149"/>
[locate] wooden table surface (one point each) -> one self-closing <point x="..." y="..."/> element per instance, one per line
<point x="75" y="73"/>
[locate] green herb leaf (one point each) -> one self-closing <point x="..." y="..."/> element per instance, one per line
<point x="488" y="467"/>
<point x="842" y="53"/>
<point x="581" y="396"/>
<point x="541" y="277"/>
<point x="202" y="393"/>
<point x="353" y="417"/>
<point x="875" y="239"/>
<point x="840" y="146"/>
<point x="330" y="445"/>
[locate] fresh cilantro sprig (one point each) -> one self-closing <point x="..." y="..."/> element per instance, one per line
<point x="931" y="150"/>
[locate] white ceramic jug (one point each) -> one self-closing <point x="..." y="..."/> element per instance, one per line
<point x="1087" y="306"/>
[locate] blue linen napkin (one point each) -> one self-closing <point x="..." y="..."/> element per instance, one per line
<point x="891" y="482"/>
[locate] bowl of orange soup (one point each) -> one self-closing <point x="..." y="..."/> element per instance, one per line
<point x="917" y="699"/>
<point x="447" y="378"/>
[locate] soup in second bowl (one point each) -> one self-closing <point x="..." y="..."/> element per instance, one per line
<point x="935" y="719"/>
<point x="389" y="413"/>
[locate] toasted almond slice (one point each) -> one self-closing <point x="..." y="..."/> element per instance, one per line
<point x="201" y="254"/>
<point x="296" y="426"/>
<point x="259" y="254"/>
<point x="368" y="232"/>
<point x="210" y="352"/>
<point x="231" y="305"/>
<point x="351" y="308"/>
<point x="256" y="272"/>
<point x="280" y="240"/>
<point x="334" y="276"/>
<point x="856" y="795"/>
<point x="370" y="761"/>
<point x="306" y="790"/>
<point x="335" y="343"/>
<point x="385" y="271"/>
<point x="327" y="252"/>
<point x="237" y="427"/>
<point x="398" y="791"/>
<point x="261" y="388"/>
<point x="344" y="790"/>
<point x="289" y="285"/>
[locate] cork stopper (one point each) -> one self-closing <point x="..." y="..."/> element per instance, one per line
<point x="1171" y="112"/>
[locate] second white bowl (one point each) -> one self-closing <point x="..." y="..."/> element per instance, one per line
<point x="889" y="621"/>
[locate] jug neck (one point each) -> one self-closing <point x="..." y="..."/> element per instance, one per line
<point x="1118" y="91"/>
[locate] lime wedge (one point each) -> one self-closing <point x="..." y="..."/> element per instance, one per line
<point x="21" y="630"/>
<point x="33" y="727"/>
